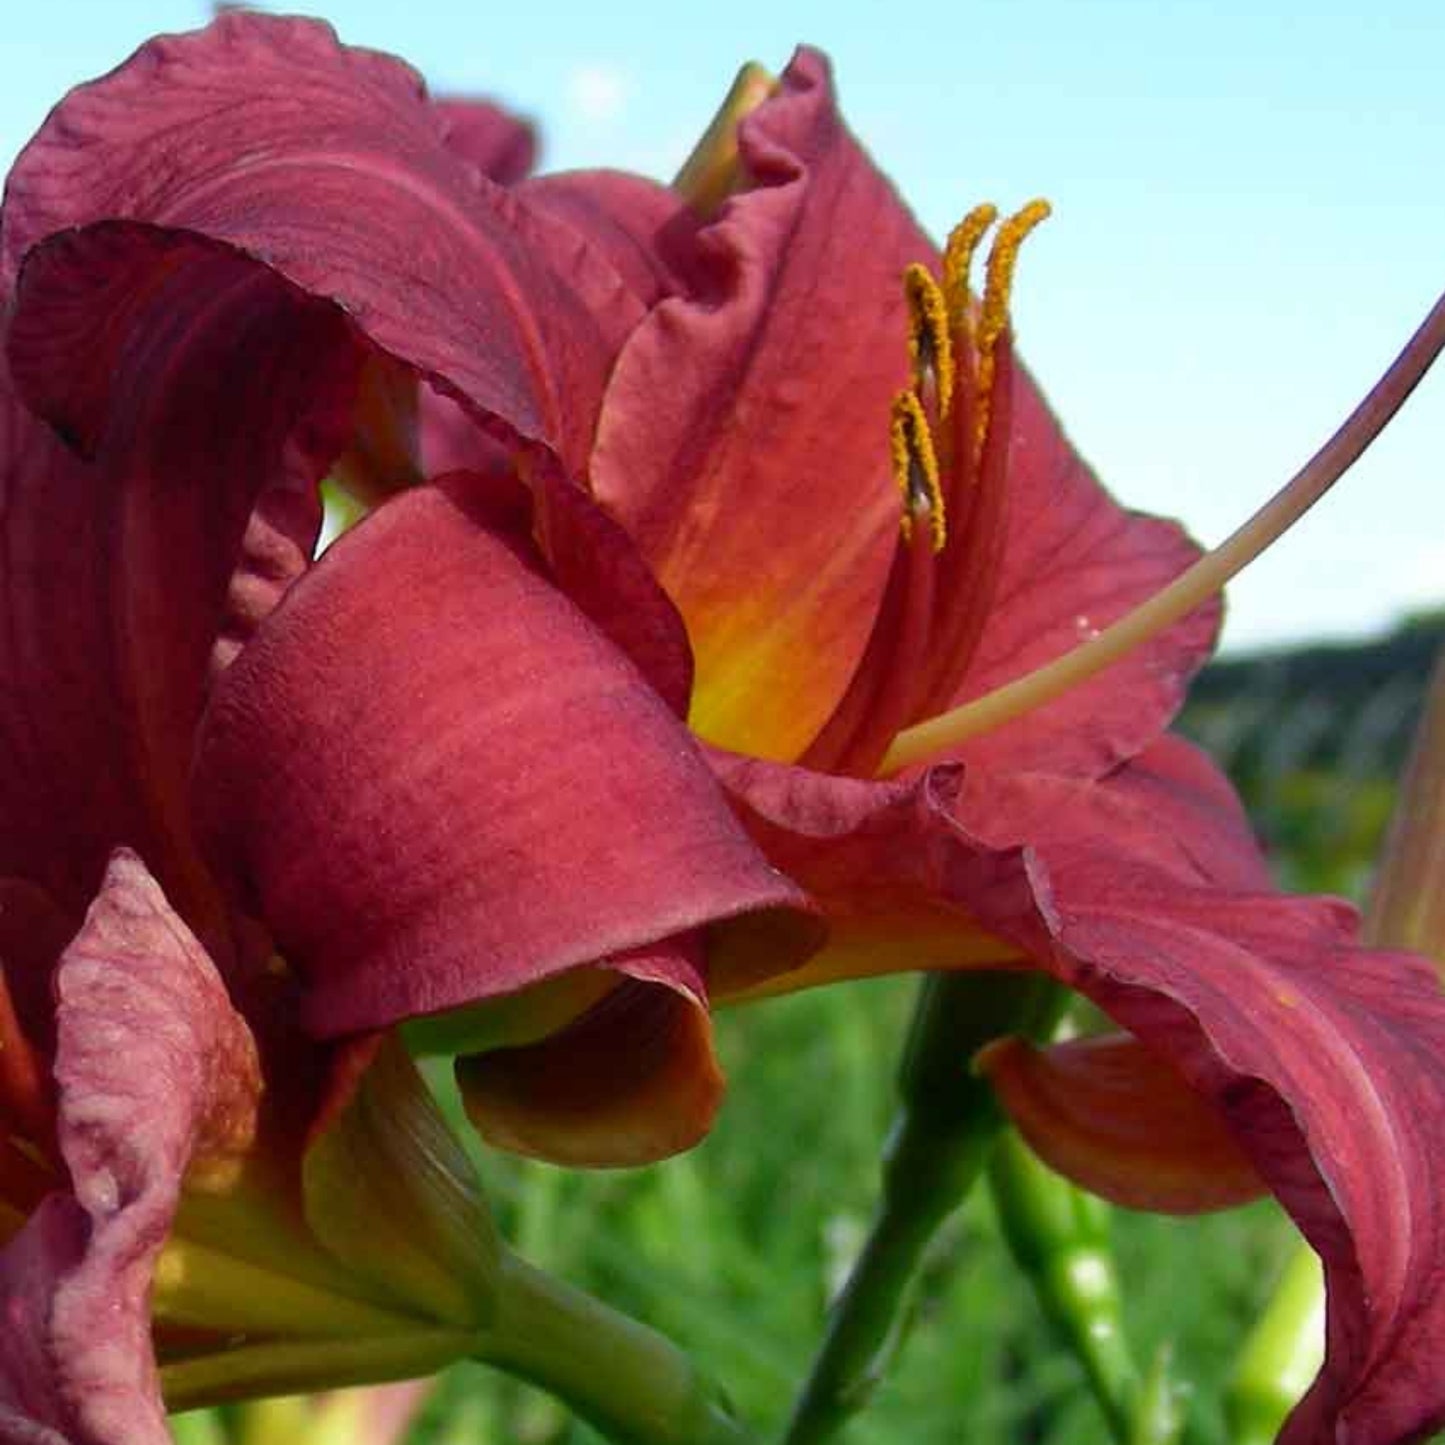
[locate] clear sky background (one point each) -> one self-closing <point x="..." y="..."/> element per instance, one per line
<point x="1249" y="212"/>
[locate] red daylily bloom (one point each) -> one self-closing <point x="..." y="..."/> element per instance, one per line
<point x="724" y="385"/>
<point x="440" y="768"/>
<point x="744" y="443"/>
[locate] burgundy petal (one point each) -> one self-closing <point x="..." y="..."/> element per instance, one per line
<point x="644" y="229"/>
<point x="1112" y="1117"/>
<point x="500" y="145"/>
<point x="442" y="784"/>
<point x="157" y="1078"/>
<point x="744" y="441"/>
<point x="1324" y="1061"/>
<point x="330" y="165"/>
<point x="122" y="577"/>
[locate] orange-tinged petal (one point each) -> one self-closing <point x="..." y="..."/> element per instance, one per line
<point x="632" y="1080"/>
<point x="1117" y="1120"/>
<point x="744" y="436"/>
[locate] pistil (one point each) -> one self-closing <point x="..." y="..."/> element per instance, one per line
<point x="942" y="734"/>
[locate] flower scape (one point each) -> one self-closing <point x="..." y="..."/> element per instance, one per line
<point x="705" y="534"/>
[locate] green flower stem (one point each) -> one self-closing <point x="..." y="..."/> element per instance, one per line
<point x="1059" y="1237"/>
<point x="626" y="1380"/>
<point x="946" y="1125"/>
<point x="1281" y="1355"/>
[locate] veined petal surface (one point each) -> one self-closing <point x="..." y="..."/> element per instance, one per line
<point x="332" y="166"/>
<point x="744" y="440"/>
<point x="451" y="787"/>
<point x="158" y="1076"/>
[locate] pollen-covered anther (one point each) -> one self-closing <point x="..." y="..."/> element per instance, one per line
<point x="915" y="468"/>
<point x="958" y="254"/>
<point x="998" y="283"/>
<point x="930" y="344"/>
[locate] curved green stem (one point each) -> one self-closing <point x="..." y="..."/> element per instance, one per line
<point x="1059" y="1238"/>
<point x="1281" y="1355"/>
<point x="626" y="1380"/>
<point x="940" y="1139"/>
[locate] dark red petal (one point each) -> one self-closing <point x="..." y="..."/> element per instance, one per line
<point x="633" y="1080"/>
<point x="1110" y="1116"/>
<point x="441" y="784"/>
<point x="1325" y="1061"/>
<point x="499" y="144"/>
<point x="158" y="1079"/>
<point x="127" y="580"/>
<point x="645" y="230"/>
<point x="340" y="179"/>
<point x="744" y="441"/>
<point x="596" y="564"/>
<point x="1072" y="562"/>
<point x="875" y="857"/>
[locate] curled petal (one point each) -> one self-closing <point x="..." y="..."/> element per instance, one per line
<point x="744" y="441"/>
<point x="1322" y="1061"/>
<point x="1121" y="1123"/>
<point x="643" y="228"/>
<point x="632" y="1080"/>
<point x="452" y="787"/>
<point x="869" y="855"/>
<point x="213" y="397"/>
<point x="343" y="182"/>
<point x="157" y="1079"/>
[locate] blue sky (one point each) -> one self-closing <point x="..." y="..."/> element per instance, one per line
<point x="1249" y="212"/>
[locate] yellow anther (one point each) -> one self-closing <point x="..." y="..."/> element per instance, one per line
<point x="993" y="310"/>
<point x="958" y="256"/>
<point x="930" y="346"/>
<point x="915" y="468"/>
<point x="1002" y="258"/>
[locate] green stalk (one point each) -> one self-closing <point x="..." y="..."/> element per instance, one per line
<point x="626" y="1380"/>
<point x="1059" y="1238"/>
<point x="1281" y="1355"/>
<point x="946" y="1124"/>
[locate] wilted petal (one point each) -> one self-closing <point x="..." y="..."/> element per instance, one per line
<point x="744" y="441"/>
<point x="158" y="1079"/>
<point x="341" y="180"/>
<point x="452" y="787"/>
<point x="1122" y="1123"/>
<point x="52" y="1244"/>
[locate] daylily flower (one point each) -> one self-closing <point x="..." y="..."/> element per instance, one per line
<point x="218" y="1176"/>
<point x="763" y="434"/>
<point x="724" y="383"/>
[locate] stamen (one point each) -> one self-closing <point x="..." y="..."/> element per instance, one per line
<point x="998" y="283"/>
<point x="958" y="261"/>
<point x="930" y="346"/>
<point x="1196" y="585"/>
<point x="915" y="468"/>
